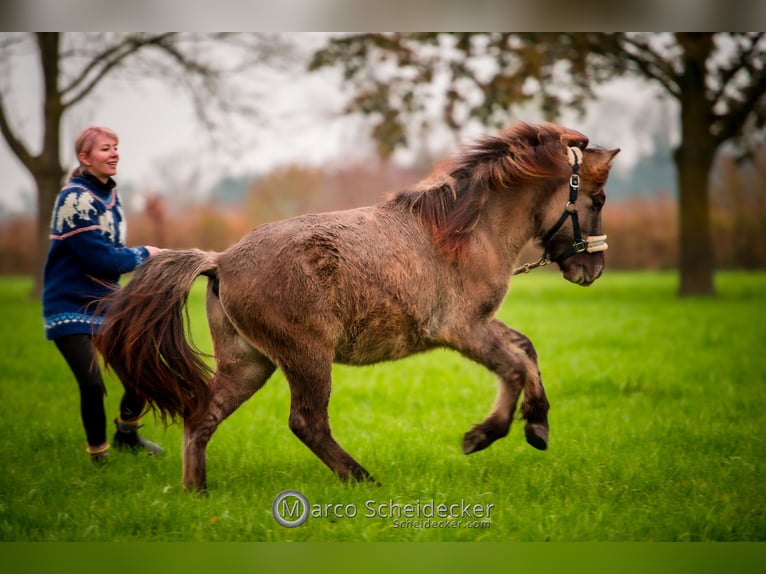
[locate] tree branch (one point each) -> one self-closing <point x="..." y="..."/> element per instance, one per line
<point x="738" y="61"/>
<point x="16" y="145"/>
<point x="731" y="124"/>
<point x="651" y="64"/>
<point x="103" y="63"/>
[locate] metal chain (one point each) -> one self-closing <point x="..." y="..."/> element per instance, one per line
<point x="527" y="267"/>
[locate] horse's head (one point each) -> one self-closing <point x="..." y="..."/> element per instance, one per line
<point x="574" y="238"/>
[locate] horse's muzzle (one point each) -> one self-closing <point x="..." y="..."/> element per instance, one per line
<point x="583" y="268"/>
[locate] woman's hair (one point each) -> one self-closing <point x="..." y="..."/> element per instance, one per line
<point x="85" y="141"/>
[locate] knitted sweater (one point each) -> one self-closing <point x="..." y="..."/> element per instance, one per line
<point x="86" y="257"/>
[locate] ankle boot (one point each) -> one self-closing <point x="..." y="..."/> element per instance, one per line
<point x="126" y="437"/>
<point x="99" y="455"/>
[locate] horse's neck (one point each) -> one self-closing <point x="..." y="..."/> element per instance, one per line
<point x="509" y="223"/>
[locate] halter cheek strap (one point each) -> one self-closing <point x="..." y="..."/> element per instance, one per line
<point x="589" y="244"/>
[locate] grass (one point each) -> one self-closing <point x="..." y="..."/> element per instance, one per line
<point x="656" y="433"/>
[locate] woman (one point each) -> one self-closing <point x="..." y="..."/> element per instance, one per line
<point x="86" y="257"/>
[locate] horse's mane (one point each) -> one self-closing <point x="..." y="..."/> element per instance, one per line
<point x="449" y="202"/>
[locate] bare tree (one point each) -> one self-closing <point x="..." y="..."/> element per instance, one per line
<point x="718" y="80"/>
<point x="72" y="66"/>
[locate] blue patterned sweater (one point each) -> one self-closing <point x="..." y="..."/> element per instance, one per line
<point x="86" y="257"/>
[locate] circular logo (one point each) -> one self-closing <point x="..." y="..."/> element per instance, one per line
<point x="290" y="508"/>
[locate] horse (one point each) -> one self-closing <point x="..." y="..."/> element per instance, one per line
<point x="426" y="267"/>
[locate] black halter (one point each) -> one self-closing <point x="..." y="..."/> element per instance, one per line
<point x="591" y="244"/>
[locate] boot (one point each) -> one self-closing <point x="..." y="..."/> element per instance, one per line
<point x="99" y="455"/>
<point x="126" y="437"/>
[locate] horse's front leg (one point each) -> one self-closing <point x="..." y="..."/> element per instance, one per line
<point x="511" y="356"/>
<point x="535" y="406"/>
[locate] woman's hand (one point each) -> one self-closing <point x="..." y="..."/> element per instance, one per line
<point x="153" y="250"/>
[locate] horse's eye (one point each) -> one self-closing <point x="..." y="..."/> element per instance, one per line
<point x="598" y="203"/>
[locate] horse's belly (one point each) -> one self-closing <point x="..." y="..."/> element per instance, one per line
<point x="369" y="348"/>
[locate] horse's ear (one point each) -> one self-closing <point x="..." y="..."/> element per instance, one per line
<point x="597" y="164"/>
<point x="601" y="157"/>
<point x="610" y="155"/>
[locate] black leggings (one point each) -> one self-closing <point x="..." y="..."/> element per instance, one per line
<point x="80" y="356"/>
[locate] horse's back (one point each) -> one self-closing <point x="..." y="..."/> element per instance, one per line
<point x="326" y="246"/>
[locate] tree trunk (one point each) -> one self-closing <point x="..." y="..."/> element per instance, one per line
<point x="694" y="161"/>
<point x="47" y="171"/>
<point x="48" y="186"/>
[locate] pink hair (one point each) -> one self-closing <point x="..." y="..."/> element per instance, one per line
<point x="85" y="141"/>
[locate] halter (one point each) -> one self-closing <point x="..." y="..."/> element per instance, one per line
<point x="591" y="243"/>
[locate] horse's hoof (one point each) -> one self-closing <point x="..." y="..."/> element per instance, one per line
<point x="195" y="485"/>
<point x="475" y="440"/>
<point x="368" y="479"/>
<point x="201" y="492"/>
<point x="537" y="435"/>
<point x="359" y="474"/>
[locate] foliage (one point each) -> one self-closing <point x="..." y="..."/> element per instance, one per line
<point x="488" y="76"/>
<point x="296" y="190"/>
<point x="472" y="76"/>
<point x="657" y="417"/>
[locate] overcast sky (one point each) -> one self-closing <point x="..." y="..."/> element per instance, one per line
<point x="162" y="145"/>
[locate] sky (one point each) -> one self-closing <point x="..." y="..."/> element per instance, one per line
<point x="163" y="147"/>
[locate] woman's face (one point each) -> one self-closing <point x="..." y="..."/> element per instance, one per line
<point x="102" y="159"/>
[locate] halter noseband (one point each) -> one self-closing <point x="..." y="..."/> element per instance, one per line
<point x="590" y="244"/>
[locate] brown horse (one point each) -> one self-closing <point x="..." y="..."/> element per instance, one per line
<point x="427" y="268"/>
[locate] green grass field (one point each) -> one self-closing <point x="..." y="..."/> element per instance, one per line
<point x="657" y="434"/>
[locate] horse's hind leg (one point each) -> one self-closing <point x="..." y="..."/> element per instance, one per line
<point x="230" y="386"/>
<point x="511" y="357"/>
<point x="310" y="396"/>
<point x="240" y="371"/>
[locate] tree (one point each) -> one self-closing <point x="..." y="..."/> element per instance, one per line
<point x="718" y="80"/>
<point x="73" y="66"/>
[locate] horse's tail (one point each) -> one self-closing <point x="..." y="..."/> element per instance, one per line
<point x="143" y="337"/>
